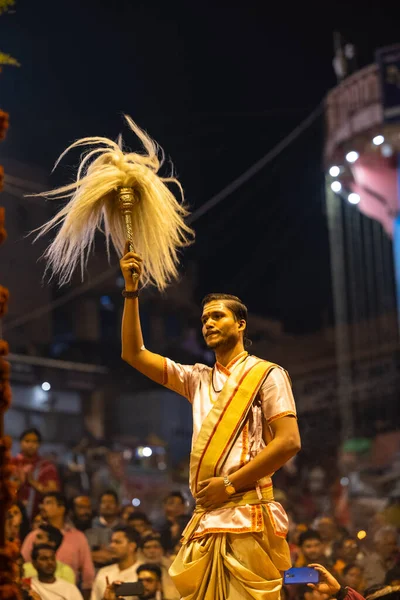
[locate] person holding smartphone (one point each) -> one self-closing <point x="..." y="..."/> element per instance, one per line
<point x="125" y="542"/>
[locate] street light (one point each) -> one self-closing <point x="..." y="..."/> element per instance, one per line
<point x="46" y="387"/>
<point x="334" y="171"/>
<point x="352" y="156"/>
<point x="353" y="198"/>
<point x="378" y="140"/>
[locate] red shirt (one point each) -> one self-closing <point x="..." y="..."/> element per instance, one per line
<point x="41" y="470"/>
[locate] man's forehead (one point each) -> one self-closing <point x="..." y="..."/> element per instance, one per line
<point x="214" y="305"/>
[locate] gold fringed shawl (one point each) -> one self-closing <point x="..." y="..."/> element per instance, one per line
<point x="219" y="432"/>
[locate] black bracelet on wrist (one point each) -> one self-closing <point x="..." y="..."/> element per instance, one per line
<point x="127" y="294"/>
<point x="342" y="593"/>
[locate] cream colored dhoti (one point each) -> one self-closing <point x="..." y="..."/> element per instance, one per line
<point x="232" y="566"/>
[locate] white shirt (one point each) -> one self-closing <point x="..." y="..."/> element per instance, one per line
<point x="59" y="590"/>
<point x="114" y="574"/>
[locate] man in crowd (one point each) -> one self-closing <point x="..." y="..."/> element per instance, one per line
<point x="174" y="521"/>
<point x="35" y="476"/>
<point x="346" y="553"/>
<point x="110" y="477"/>
<point x="140" y="522"/>
<point x="124" y="547"/>
<point x="329" y="532"/>
<point x="99" y="535"/>
<point x="150" y="576"/>
<point x="81" y="514"/>
<point x="311" y="549"/>
<point x="153" y="553"/>
<point x="74" y="549"/>
<point x="46" y="584"/>
<point x="51" y="536"/>
<point x="383" y="558"/>
<point x="353" y="576"/>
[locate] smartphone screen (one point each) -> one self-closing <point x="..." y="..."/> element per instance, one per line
<point x="298" y="575"/>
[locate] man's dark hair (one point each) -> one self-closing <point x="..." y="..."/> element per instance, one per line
<point x="176" y="494"/>
<point x="131" y="534"/>
<point x="310" y="534"/>
<point x="54" y="534"/>
<point x="36" y="550"/>
<point x="29" y="431"/>
<point x="139" y="515"/>
<point x="153" y="568"/>
<point x="109" y="493"/>
<point x="235" y="305"/>
<point x="152" y="537"/>
<point x="59" y="498"/>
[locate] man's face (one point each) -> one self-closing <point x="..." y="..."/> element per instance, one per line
<point x="153" y="551"/>
<point x="120" y="546"/>
<point x="349" y="551"/>
<point x="219" y="326"/>
<point x="174" y="507"/>
<point x="45" y="564"/>
<point x="14" y="515"/>
<point x="312" y="550"/>
<point x="150" y="583"/>
<point x="30" y="445"/>
<point x="83" y="508"/>
<point x="51" y="509"/>
<point x="387" y="547"/>
<point x="353" y="578"/>
<point x="138" y="524"/>
<point x="108" y="506"/>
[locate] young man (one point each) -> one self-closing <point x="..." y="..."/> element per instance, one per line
<point x="141" y="523"/>
<point x="81" y="513"/>
<point x="124" y="547"/>
<point x="174" y="522"/>
<point x="99" y="535"/>
<point x="46" y="584"/>
<point x="47" y="534"/>
<point x="150" y="575"/>
<point x="35" y="476"/>
<point x="74" y="550"/>
<point x="153" y="553"/>
<point x="244" y="429"/>
<point x="383" y="558"/>
<point x="312" y="549"/>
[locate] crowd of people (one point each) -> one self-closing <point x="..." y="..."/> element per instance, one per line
<point x="74" y="548"/>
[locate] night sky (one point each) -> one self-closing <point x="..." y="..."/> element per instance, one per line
<point x="217" y="84"/>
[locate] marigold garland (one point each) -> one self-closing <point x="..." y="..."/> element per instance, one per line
<point x="9" y="551"/>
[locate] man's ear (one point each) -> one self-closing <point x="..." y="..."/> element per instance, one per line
<point x="242" y="325"/>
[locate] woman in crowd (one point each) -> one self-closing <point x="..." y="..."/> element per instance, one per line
<point x="17" y="523"/>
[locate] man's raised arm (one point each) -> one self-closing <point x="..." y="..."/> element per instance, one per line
<point x="133" y="350"/>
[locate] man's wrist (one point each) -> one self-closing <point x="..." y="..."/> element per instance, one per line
<point x="130" y="293"/>
<point x="341" y="593"/>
